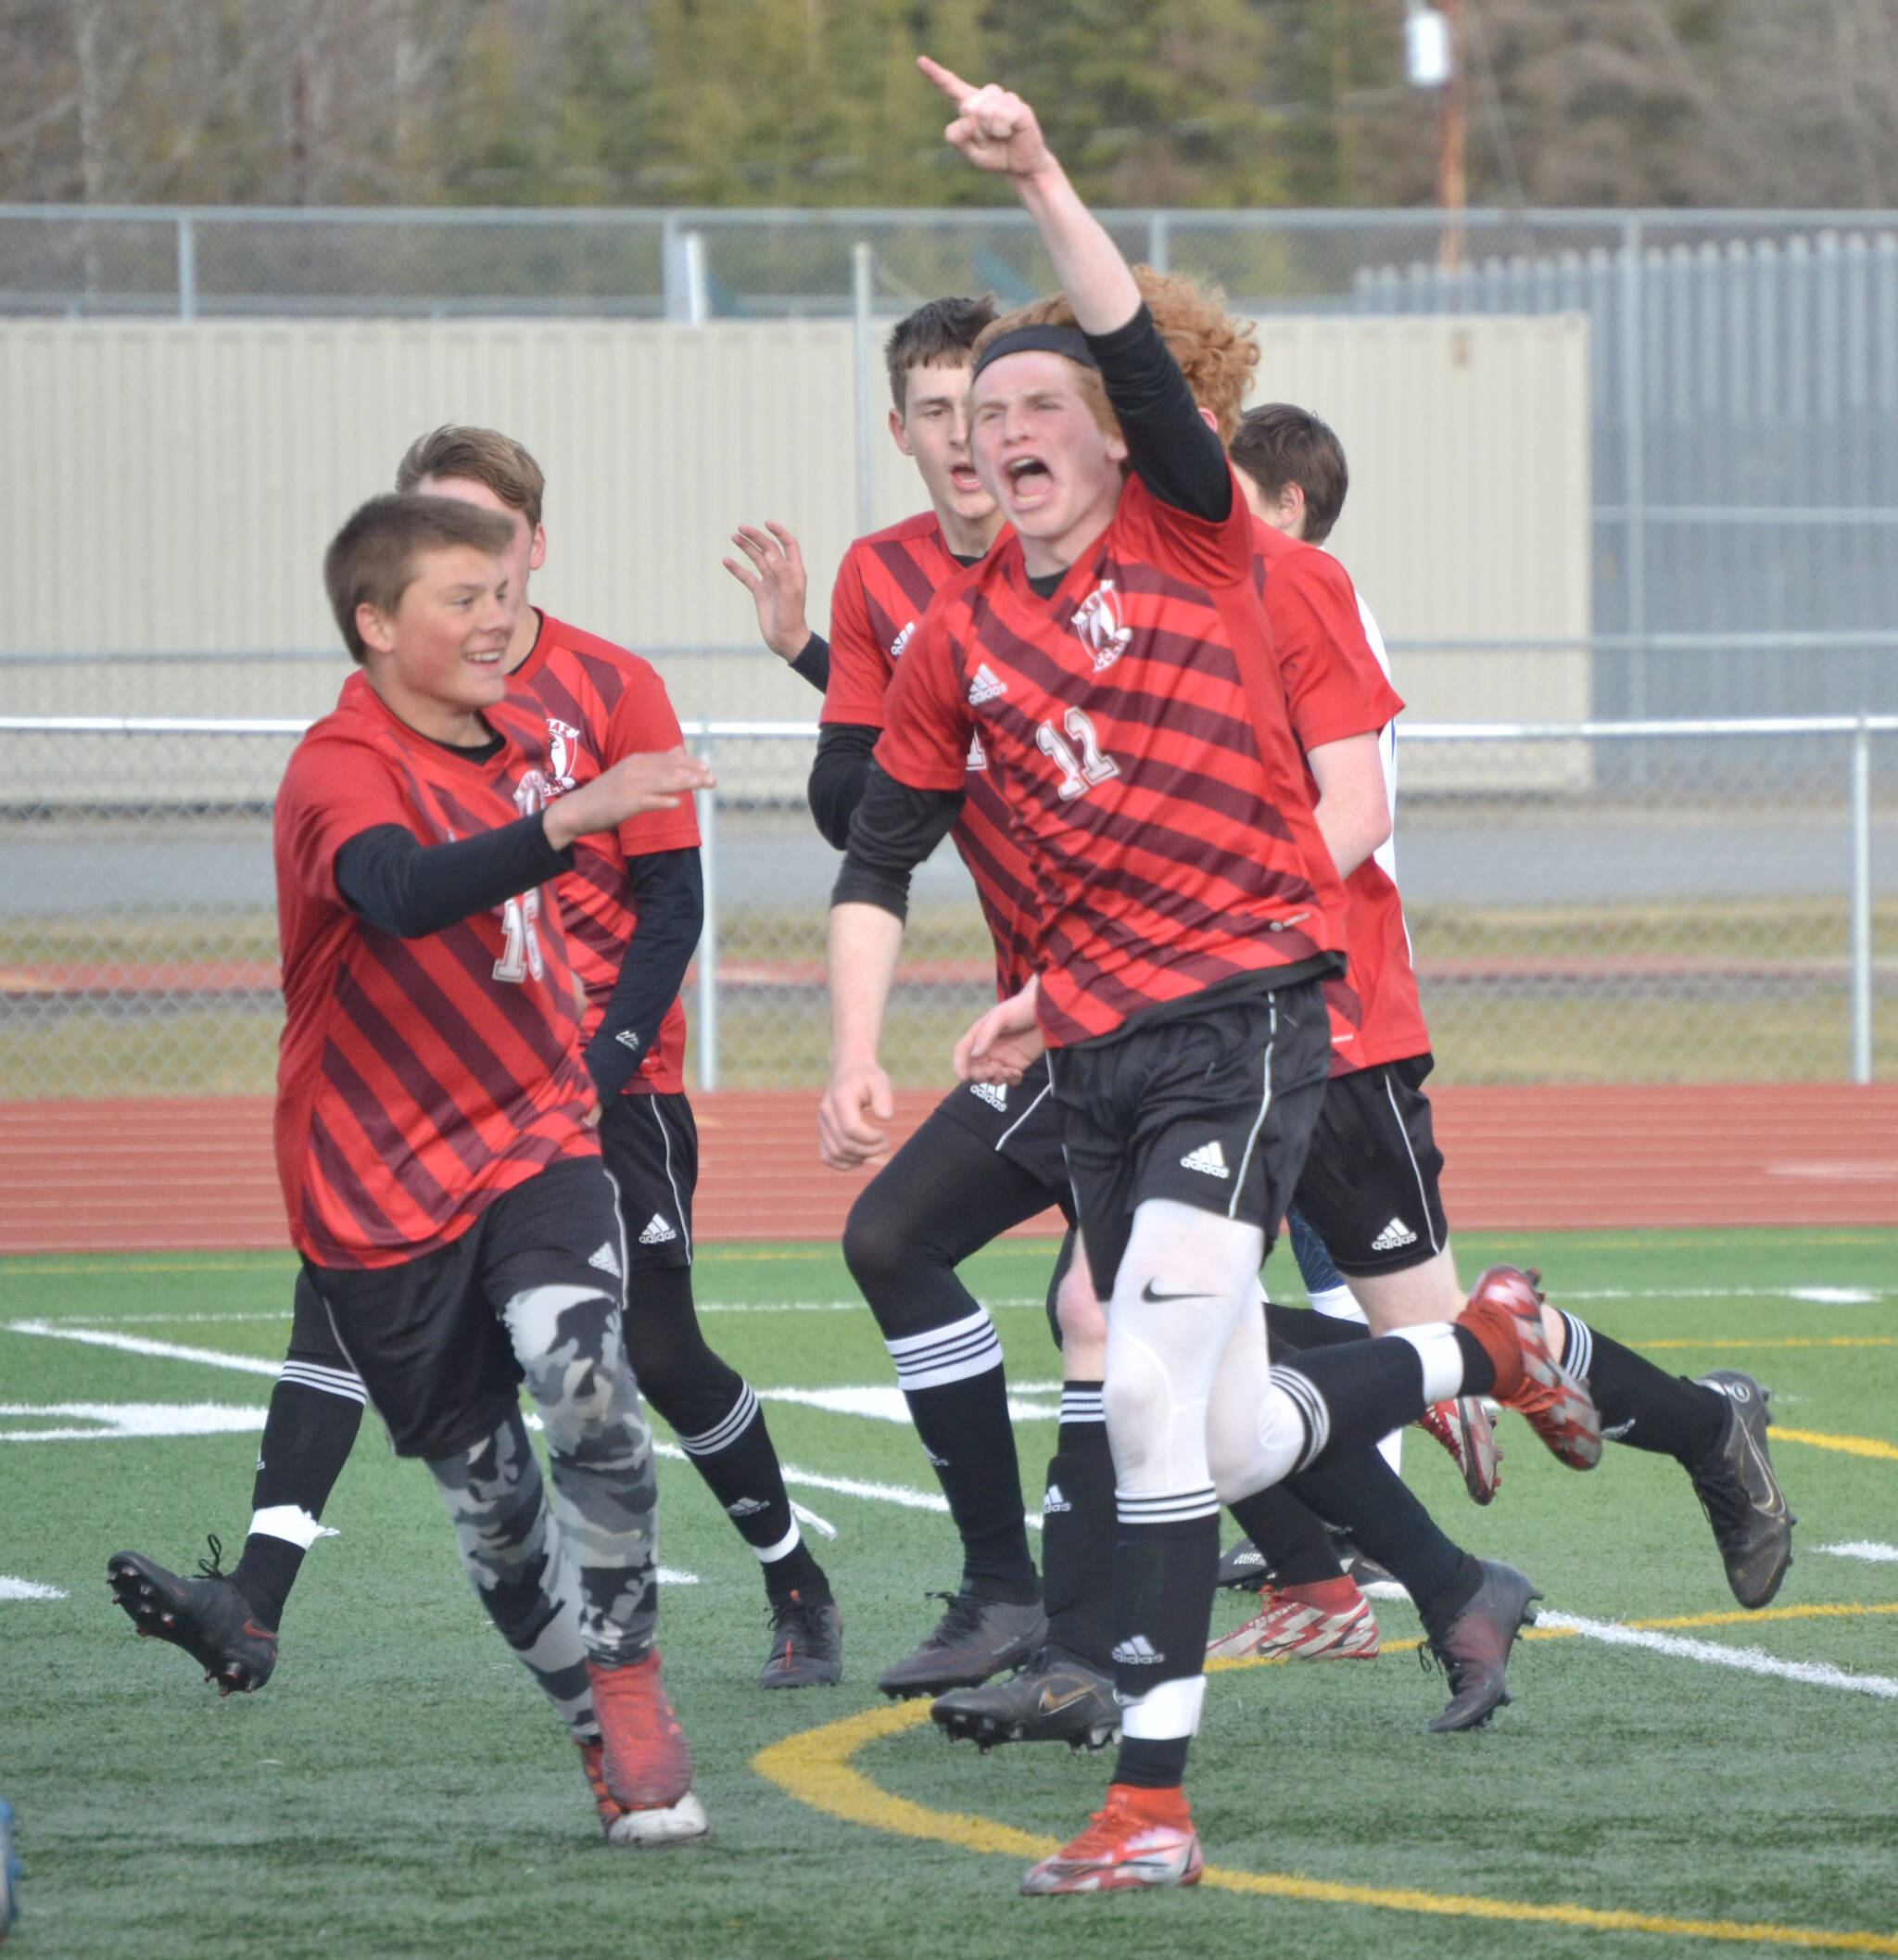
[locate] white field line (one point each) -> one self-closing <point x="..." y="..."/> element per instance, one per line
<point x="1867" y="1548"/>
<point x="112" y="1422"/>
<point x="885" y="1403"/>
<point x="138" y="1344"/>
<point x="1807" y="1295"/>
<point x="1748" y="1660"/>
<point x="27" y="1590"/>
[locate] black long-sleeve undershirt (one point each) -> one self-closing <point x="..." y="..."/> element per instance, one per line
<point x="838" y="773"/>
<point x="391" y="879"/>
<point x="894" y="830"/>
<point x="669" y="897"/>
<point x="1170" y="446"/>
<point x="813" y="664"/>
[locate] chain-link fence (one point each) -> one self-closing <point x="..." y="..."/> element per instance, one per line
<point x="1729" y="912"/>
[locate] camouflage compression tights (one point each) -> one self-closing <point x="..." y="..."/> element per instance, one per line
<point x="572" y="1578"/>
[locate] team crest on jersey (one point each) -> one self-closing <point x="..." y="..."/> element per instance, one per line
<point x="901" y="640"/>
<point x="562" y="751"/>
<point x="1097" y="621"/>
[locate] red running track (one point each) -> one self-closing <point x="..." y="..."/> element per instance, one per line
<point x="163" y="1174"/>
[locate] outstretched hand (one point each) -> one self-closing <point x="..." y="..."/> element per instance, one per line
<point x="993" y="127"/>
<point x="777" y="583"/>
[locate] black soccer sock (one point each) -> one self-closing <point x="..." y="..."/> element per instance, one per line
<point x="720" y="1426"/>
<point x="1165" y="1560"/>
<point x="1079" y="1529"/>
<point x="1386" y="1522"/>
<point x="315" y="1412"/>
<point x="1289" y="1536"/>
<point x="1641" y="1405"/>
<point x="1351" y="1396"/>
<point x="1292" y="1330"/>
<point x="944" y="1196"/>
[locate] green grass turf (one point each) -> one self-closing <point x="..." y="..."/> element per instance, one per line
<point x="400" y="1790"/>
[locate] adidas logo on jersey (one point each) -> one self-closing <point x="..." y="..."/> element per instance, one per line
<point x="657" y="1232"/>
<point x="977" y="759"/>
<point x="993" y="1094"/>
<point x="1052" y="1501"/>
<point x="985" y="685"/>
<point x="607" y="1260"/>
<point x="1097" y="621"/>
<point x="1139" y="1651"/>
<point x="1394" y="1237"/>
<point x="901" y="640"/>
<point x="1209" y="1158"/>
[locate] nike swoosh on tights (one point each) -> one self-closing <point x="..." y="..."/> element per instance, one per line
<point x="1146" y="1293"/>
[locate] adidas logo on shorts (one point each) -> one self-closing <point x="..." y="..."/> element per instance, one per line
<point x="657" y="1231"/>
<point x="1209" y="1158"/>
<point x="1139" y="1651"/>
<point x="993" y="1094"/>
<point x="985" y="685"/>
<point x="1053" y="1501"/>
<point x="1394" y="1237"/>
<point x="607" y="1260"/>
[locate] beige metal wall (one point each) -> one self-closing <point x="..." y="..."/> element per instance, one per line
<point x="172" y="486"/>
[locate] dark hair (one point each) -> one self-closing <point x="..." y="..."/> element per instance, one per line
<point x="371" y="561"/>
<point x="938" y="330"/>
<point x="482" y="455"/>
<point x="1277" y="444"/>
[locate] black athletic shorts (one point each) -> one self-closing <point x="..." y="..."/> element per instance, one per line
<point x="1212" y="1109"/>
<point x="427" y="1337"/>
<point x="1018" y="1121"/>
<point x="1370" y="1185"/>
<point x="651" y="1145"/>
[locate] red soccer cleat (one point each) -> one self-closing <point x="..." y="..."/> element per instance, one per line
<point x="1142" y="1838"/>
<point x="1464" y="1429"/>
<point x="1505" y="1314"/>
<point x="646" y="1761"/>
<point x="1330" y="1621"/>
<point x="674" y="1823"/>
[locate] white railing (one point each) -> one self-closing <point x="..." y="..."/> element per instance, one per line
<point x="1857" y="731"/>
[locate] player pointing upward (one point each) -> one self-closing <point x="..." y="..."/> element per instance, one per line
<point x="1112" y="660"/>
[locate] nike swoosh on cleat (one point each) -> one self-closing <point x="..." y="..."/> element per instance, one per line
<point x="1052" y="1705"/>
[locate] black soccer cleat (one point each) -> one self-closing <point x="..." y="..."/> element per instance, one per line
<point x="1740" y="1495"/>
<point x="806" y="1642"/>
<point x="975" y="1639"/>
<point x="1056" y="1697"/>
<point x="1244" y="1568"/>
<point x="1473" y="1649"/>
<point x="207" y="1616"/>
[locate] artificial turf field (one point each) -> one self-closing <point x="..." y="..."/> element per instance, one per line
<point x="400" y="1789"/>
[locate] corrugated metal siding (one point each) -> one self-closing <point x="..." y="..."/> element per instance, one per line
<point x="172" y="488"/>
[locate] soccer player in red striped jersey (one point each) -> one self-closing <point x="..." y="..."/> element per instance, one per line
<point x="1113" y="659"/>
<point x="435" y="1122"/>
<point x="1385" y="1224"/>
<point x="632" y="906"/>
<point x="988" y="1156"/>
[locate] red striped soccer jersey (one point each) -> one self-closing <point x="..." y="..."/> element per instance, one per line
<point x="1136" y="726"/>
<point x="1335" y="687"/>
<point x="883" y="588"/>
<point x="600" y="703"/>
<point x="417" y="1079"/>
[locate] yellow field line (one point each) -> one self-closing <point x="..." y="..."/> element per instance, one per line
<point x="1852" y="1445"/>
<point x="816" y="1768"/>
